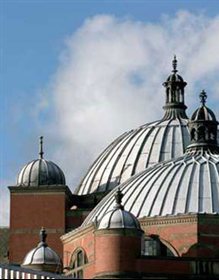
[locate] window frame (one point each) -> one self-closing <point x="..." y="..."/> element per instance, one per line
<point x="77" y="264"/>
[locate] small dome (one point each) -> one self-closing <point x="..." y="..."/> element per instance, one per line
<point x="118" y="218"/>
<point x="42" y="257"/>
<point x="40" y="172"/>
<point x="174" y="78"/>
<point x="203" y="113"/>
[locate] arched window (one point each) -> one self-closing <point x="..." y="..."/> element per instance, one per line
<point x="78" y="260"/>
<point x="201" y="133"/>
<point x="154" y="247"/>
<point x="193" y="134"/>
<point x="168" y="96"/>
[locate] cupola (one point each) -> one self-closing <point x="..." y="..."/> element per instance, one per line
<point x="203" y="128"/>
<point x="118" y="218"/>
<point x="43" y="258"/>
<point x="40" y="172"/>
<point x="118" y="240"/>
<point x="175" y="106"/>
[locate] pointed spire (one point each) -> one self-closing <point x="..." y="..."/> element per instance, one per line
<point x="41" y="148"/>
<point x="203" y="97"/>
<point x="118" y="197"/>
<point x="174" y="63"/>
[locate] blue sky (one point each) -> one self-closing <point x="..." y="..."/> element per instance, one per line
<point x="33" y="37"/>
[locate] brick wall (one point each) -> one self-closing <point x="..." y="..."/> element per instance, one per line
<point x="30" y="210"/>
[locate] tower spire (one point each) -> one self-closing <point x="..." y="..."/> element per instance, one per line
<point x="41" y="147"/>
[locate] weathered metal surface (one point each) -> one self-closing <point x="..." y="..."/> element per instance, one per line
<point x="187" y="184"/>
<point x="40" y="172"/>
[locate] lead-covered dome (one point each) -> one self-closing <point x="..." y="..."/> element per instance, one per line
<point x="40" y="172"/>
<point x="143" y="147"/>
<point x="42" y="257"/>
<point x="203" y="112"/>
<point x="187" y="184"/>
<point x="118" y="218"/>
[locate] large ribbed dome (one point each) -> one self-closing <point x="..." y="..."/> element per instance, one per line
<point x="40" y="172"/>
<point x="143" y="147"/>
<point x="134" y="151"/>
<point x="187" y="184"/>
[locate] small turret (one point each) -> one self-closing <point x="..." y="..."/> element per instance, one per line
<point x="119" y="236"/>
<point x="203" y="128"/>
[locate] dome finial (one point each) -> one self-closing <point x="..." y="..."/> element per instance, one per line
<point x="118" y="198"/>
<point x="41" y="148"/>
<point x="203" y="96"/>
<point x="174" y="63"/>
<point x="43" y="236"/>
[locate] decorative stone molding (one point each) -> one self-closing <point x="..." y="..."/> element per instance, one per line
<point x="169" y="219"/>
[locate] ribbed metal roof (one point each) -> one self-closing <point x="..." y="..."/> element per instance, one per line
<point x="134" y="151"/>
<point x="187" y="184"/>
<point x="42" y="255"/>
<point x="118" y="218"/>
<point x="40" y="172"/>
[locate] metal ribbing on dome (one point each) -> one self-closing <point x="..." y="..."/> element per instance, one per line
<point x="40" y="172"/>
<point x="187" y="184"/>
<point x="119" y="219"/>
<point x="203" y="113"/>
<point x="43" y="257"/>
<point x="134" y="151"/>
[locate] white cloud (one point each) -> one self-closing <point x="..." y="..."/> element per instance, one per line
<point x="110" y="75"/>
<point x="110" y="80"/>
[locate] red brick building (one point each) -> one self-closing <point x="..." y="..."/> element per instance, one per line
<point x="164" y="177"/>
